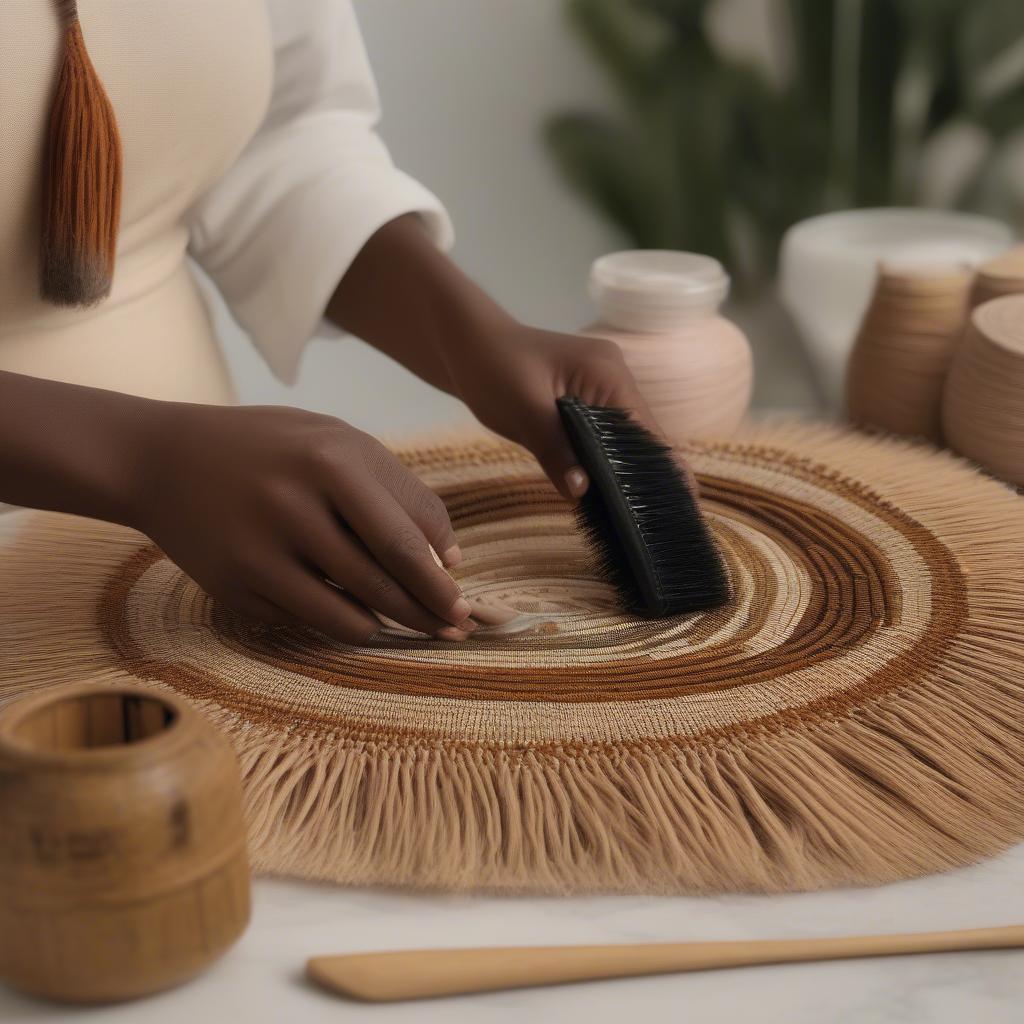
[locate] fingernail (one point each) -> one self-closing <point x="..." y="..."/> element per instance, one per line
<point x="467" y="626"/>
<point x="576" y="480"/>
<point x="491" y="613"/>
<point x="459" y="612"/>
<point x="451" y="633"/>
<point x="452" y="556"/>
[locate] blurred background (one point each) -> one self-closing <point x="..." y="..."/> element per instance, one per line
<point x="558" y="130"/>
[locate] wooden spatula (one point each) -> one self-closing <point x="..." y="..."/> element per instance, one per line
<point x="420" y="973"/>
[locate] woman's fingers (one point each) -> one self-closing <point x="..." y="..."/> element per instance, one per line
<point x="399" y="545"/>
<point x="551" y="447"/>
<point x="602" y="379"/>
<point x="422" y="505"/>
<point x="257" y="607"/>
<point x="313" y="601"/>
<point x="612" y="384"/>
<point x="489" y="612"/>
<point x="607" y="381"/>
<point x="244" y="601"/>
<point x="362" y="488"/>
<point x="402" y="549"/>
<point x="344" y="559"/>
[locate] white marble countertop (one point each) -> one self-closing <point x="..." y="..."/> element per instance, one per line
<point x="260" y="981"/>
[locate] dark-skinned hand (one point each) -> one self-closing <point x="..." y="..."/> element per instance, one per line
<point x="512" y="381"/>
<point x="289" y="516"/>
<point x="262" y="505"/>
<point x="449" y="331"/>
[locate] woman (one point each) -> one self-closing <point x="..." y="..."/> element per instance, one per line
<point x="248" y="142"/>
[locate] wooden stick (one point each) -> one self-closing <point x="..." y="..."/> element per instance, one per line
<point x="422" y="973"/>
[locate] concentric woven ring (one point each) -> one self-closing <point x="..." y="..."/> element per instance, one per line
<point x="815" y="566"/>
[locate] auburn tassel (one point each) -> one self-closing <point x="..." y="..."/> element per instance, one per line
<point x="82" y="179"/>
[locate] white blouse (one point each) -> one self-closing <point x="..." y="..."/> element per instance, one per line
<point x="279" y="229"/>
<point x="248" y="129"/>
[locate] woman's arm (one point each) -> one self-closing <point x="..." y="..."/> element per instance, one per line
<point x="408" y="299"/>
<point x="259" y="505"/>
<point x="314" y="216"/>
<point x="64" y="447"/>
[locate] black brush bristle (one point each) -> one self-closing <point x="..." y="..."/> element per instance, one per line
<point x="639" y="515"/>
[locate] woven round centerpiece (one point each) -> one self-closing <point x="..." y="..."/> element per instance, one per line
<point x="854" y="715"/>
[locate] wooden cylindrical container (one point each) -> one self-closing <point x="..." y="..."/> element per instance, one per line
<point x="123" y="866"/>
<point x="983" y="404"/>
<point x="999" y="276"/>
<point x="899" y="362"/>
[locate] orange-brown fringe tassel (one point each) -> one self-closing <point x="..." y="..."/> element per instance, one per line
<point x="82" y="180"/>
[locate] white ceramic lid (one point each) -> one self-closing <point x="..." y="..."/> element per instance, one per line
<point x="652" y="289"/>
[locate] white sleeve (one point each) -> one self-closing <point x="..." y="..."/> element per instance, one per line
<point x="278" y="231"/>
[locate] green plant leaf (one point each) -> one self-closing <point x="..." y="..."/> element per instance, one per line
<point x="607" y="165"/>
<point x="992" y="189"/>
<point x="811" y="24"/>
<point x="778" y="172"/>
<point x="685" y="16"/>
<point x="626" y="38"/>
<point x="707" y="142"/>
<point x="990" y="50"/>
<point x="928" y="27"/>
<point x="1004" y="116"/>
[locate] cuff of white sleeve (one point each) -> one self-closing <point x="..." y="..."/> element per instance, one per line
<point x="326" y="226"/>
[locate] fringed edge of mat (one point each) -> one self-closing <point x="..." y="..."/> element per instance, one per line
<point x="912" y="783"/>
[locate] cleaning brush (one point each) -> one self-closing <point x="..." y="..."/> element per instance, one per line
<point x="640" y="516"/>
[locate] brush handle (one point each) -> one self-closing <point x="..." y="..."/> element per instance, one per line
<point x="419" y="973"/>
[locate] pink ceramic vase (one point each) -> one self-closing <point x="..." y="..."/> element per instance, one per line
<point x="692" y="365"/>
